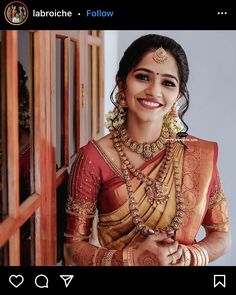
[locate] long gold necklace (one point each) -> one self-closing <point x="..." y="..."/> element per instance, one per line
<point x="155" y="189"/>
<point x="146" y="150"/>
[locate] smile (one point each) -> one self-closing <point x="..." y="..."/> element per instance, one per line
<point x="149" y="104"/>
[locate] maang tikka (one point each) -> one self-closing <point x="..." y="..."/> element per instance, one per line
<point x="160" y="55"/>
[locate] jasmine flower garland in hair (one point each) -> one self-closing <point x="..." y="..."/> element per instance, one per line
<point x="115" y="118"/>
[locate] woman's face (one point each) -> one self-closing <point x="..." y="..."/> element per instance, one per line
<point x="152" y="88"/>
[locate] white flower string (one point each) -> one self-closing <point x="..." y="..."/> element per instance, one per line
<point x="115" y="118"/>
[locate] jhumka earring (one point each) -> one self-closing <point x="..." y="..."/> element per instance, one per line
<point x="160" y="55"/>
<point x="172" y="120"/>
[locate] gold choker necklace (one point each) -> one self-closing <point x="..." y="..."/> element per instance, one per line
<point x="146" y="150"/>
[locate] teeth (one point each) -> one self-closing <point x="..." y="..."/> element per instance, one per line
<point x="150" y="103"/>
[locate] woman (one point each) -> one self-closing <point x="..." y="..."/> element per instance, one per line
<point x="152" y="183"/>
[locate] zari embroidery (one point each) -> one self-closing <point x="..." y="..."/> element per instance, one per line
<point x="79" y="208"/>
<point x="218" y="219"/>
<point x="107" y="160"/>
<point x="191" y="176"/>
<point x="216" y="198"/>
<point x="217" y="226"/>
<point x="76" y="238"/>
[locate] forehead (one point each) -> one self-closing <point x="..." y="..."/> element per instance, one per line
<point x="169" y="66"/>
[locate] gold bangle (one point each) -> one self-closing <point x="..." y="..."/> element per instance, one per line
<point x="107" y="258"/>
<point x="199" y="254"/>
<point x="193" y="256"/>
<point x="128" y="256"/>
<point x="131" y="256"/>
<point x="125" y="257"/>
<point x="206" y="255"/>
<point x="187" y="256"/>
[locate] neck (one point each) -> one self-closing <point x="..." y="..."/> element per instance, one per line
<point x="144" y="131"/>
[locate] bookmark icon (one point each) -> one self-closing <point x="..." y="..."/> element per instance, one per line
<point x="67" y="279"/>
<point x="219" y="280"/>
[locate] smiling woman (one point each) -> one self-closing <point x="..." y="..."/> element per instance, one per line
<point x="151" y="86"/>
<point x="152" y="184"/>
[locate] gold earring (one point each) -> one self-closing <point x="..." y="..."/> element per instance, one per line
<point x="172" y="120"/>
<point x="174" y="112"/>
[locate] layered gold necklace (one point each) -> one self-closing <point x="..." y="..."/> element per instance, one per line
<point x="156" y="189"/>
<point x="146" y="150"/>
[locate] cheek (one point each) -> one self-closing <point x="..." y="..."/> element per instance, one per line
<point x="171" y="97"/>
<point x="134" y="88"/>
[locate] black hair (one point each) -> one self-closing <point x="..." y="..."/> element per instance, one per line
<point x="149" y="43"/>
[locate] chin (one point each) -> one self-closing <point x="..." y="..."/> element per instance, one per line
<point x="150" y="119"/>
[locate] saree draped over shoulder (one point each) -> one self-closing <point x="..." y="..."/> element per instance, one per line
<point x="96" y="183"/>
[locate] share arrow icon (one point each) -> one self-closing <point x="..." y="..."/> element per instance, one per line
<point x="67" y="279"/>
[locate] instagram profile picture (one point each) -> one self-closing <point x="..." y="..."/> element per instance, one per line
<point x="16" y="13"/>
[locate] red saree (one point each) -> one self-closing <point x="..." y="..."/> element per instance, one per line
<point x="95" y="182"/>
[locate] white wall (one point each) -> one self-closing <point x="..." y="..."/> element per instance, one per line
<point x="111" y="66"/>
<point x="211" y="116"/>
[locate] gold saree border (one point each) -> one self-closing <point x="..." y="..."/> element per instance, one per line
<point x="199" y="163"/>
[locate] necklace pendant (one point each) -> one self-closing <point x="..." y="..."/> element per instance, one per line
<point x="150" y="194"/>
<point x="157" y="193"/>
<point x="147" y="153"/>
<point x="161" y="190"/>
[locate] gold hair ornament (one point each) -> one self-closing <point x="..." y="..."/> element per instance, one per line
<point x="160" y="55"/>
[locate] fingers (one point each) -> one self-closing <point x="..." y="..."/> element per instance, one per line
<point x="181" y="262"/>
<point x="160" y="236"/>
<point x="172" y="248"/>
<point x="172" y="252"/>
<point x="167" y="251"/>
<point x="179" y="252"/>
<point x="172" y="255"/>
<point x="157" y="237"/>
<point x="178" y="257"/>
<point x="168" y="241"/>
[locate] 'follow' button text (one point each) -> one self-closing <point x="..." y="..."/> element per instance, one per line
<point x="99" y="13"/>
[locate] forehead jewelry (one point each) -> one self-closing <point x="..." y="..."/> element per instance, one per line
<point x="160" y="55"/>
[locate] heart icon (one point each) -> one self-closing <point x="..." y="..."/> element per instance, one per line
<point x="16" y="280"/>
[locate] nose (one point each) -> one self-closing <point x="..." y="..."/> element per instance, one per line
<point x="154" y="89"/>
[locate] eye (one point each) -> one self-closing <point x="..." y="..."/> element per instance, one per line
<point x="169" y="83"/>
<point x="142" y="77"/>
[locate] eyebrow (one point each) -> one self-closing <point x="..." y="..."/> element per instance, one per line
<point x="151" y="72"/>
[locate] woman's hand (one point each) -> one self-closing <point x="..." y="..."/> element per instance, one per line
<point x="178" y="258"/>
<point x="158" y="250"/>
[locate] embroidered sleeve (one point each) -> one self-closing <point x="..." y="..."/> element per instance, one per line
<point x="216" y="218"/>
<point x="82" y="197"/>
<point x="85" y="254"/>
<point x="84" y="183"/>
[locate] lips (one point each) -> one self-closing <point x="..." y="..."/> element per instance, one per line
<point x="150" y="103"/>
